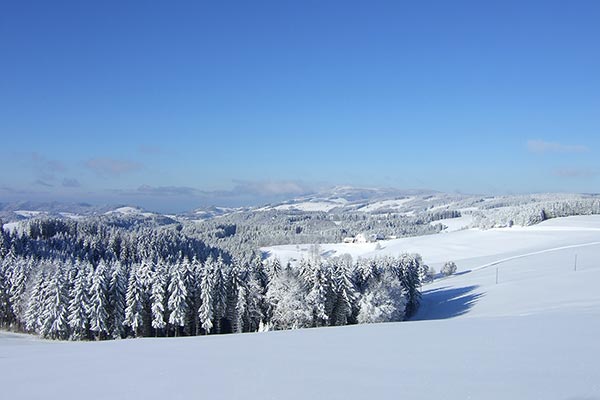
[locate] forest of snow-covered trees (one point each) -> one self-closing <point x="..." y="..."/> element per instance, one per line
<point x="89" y="281"/>
<point x="529" y="210"/>
<point x="111" y="276"/>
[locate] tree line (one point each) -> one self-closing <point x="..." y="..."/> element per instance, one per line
<point x="79" y="300"/>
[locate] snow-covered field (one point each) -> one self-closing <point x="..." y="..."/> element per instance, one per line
<point x="533" y="335"/>
<point x="455" y="224"/>
<point x="309" y="206"/>
<point x="385" y="204"/>
<point x="468" y="248"/>
<point x="129" y="211"/>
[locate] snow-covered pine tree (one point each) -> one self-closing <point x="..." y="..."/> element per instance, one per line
<point x="117" y="288"/>
<point x="260" y="272"/>
<point x="4" y="248"/>
<point x="219" y="295"/>
<point x="35" y="302"/>
<point x="366" y="269"/>
<point x="344" y="292"/>
<point x="305" y="271"/>
<point x="240" y="310"/>
<point x="146" y="273"/>
<point x="177" y="298"/>
<point x="53" y="318"/>
<point x="286" y="294"/>
<point x="257" y="289"/>
<point x="192" y="279"/>
<point x="5" y="308"/>
<point x="16" y="289"/>
<point x="79" y="304"/>
<point x="254" y="303"/>
<point x="407" y="268"/>
<point x="205" y="312"/>
<point x="157" y="298"/>
<point x="134" y="307"/>
<point x="236" y="298"/>
<point x="317" y="294"/>
<point x="99" y="302"/>
<point x="273" y="268"/>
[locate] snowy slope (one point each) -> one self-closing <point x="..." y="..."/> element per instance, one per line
<point x="368" y="200"/>
<point x="387" y="204"/>
<point x="533" y="335"/>
<point x="468" y="248"/>
<point x="127" y="210"/>
<point x="495" y="358"/>
<point x="310" y="206"/>
<point x="455" y="224"/>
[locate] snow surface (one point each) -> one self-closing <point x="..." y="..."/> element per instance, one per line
<point x="455" y="224"/>
<point x="309" y="206"/>
<point x="71" y="215"/>
<point x="533" y="335"/>
<point x="468" y="248"/>
<point x="129" y="211"/>
<point x="28" y="213"/>
<point x="387" y="204"/>
<point x="11" y="226"/>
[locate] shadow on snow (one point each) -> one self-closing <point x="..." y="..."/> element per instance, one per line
<point x="446" y="302"/>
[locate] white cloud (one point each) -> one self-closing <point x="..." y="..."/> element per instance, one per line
<point x="542" y="146"/>
<point x="270" y="188"/>
<point x="71" y="182"/>
<point x="111" y="167"/>
<point x="576" y="173"/>
<point x="166" y="190"/>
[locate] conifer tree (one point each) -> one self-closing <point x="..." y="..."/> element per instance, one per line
<point x="35" y="303"/>
<point x="17" y="286"/>
<point x="345" y="294"/>
<point x="158" y="298"/>
<point x="192" y="280"/>
<point x="54" y="313"/>
<point x="133" y="303"/>
<point x="5" y="308"/>
<point x="117" y="288"/>
<point x="79" y="305"/>
<point x="219" y="295"/>
<point x="286" y="294"/>
<point x="254" y="303"/>
<point x="98" y="302"/>
<point x="177" y="298"/>
<point x="317" y="295"/>
<point x="236" y="298"/>
<point x="205" y="313"/>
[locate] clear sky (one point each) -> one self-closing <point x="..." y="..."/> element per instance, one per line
<point x="170" y="105"/>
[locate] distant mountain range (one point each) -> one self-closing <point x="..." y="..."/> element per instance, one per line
<point x="340" y="199"/>
<point x="336" y="199"/>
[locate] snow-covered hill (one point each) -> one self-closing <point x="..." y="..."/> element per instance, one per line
<point x="469" y="248"/>
<point x="368" y="200"/>
<point x="128" y="211"/>
<point x="533" y="334"/>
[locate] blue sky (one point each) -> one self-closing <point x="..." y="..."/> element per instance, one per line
<point x="171" y="105"/>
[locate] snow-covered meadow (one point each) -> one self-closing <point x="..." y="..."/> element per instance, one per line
<point x="534" y="334"/>
<point x="468" y="247"/>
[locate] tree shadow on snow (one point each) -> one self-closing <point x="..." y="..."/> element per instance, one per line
<point x="446" y="302"/>
<point x="462" y="272"/>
